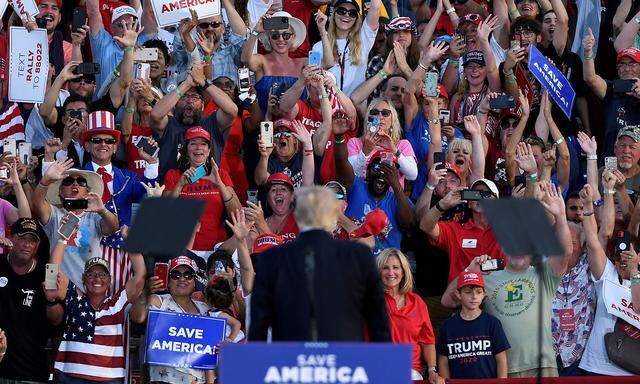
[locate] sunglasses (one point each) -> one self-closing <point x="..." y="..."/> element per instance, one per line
<point x="82" y="80"/>
<point x="282" y="134"/>
<point x="471" y="17"/>
<point x="285" y="35"/>
<point x="93" y="275"/>
<point x="69" y="180"/>
<point x="383" y="112"/>
<point x="97" y="140"/>
<point x="352" y="13"/>
<point x="213" y="24"/>
<point x="177" y="275"/>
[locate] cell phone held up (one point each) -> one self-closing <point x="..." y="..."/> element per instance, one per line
<point x="72" y="204"/>
<point x="502" y="102"/>
<point x="79" y="19"/>
<point x="143" y="143"/>
<point x="266" y="133"/>
<point x="438" y="157"/>
<point x="623" y="243"/>
<point x="201" y="171"/>
<point x="87" y="69"/>
<point x="474" y="195"/>
<point x="623" y="86"/>
<point x="67" y="229"/>
<point x="145" y="54"/>
<point x="314" y="58"/>
<point x="431" y="84"/>
<point x="252" y="196"/>
<point x="275" y="23"/>
<point x="51" y="276"/>
<point x="373" y="122"/>
<point x="492" y="265"/>
<point x="244" y="80"/>
<point x="161" y="271"/>
<point x="611" y="163"/>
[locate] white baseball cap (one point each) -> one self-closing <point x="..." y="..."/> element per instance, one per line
<point x="122" y="11"/>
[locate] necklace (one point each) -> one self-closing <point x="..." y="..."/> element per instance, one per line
<point x="31" y="267"/>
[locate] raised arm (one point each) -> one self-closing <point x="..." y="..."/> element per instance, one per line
<point x="235" y="20"/>
<point x="365" y="89"/>
<point x="328" y="60"/>
<point x="554" y="204"/>
<point x="344" y="171"/>
<point x="595" y="253"/>
<point x="427" y="33"/>
<point x="39" y="205"/>
<point x="118" y="89"/>
<point x="95" y="18"/>
<point x="304" y="137"/>
<point x="254" y="62"/>
<point x="47" y="109"/>
<point x="512" y="143"/>
<point x="484" y="30"/>
<point x="405" y="214"/>
<point x="241" y="228"/>
<point x="24" y="210"/>
<point x="479" y="145"/>
<point x="136" y="283"/>
<point x="148" y="19"/>
<point x="595" y="82"/>
<point x="429" y="222"/>
<point x="562" y="165"/>
<point x="162" y="109"/>
<point x="607" y="215"/>
<point x="373" y="14"/>
<point x="501" y="11"/>
<point x="321" y="136"/>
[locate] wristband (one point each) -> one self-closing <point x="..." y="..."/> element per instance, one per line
<point x="508" y="74"/>
<point x="533" y="177"/>
<point x="116" y="73"/>
<point x="430" y="187"/>
<point x="382" y="74"/>
<point x="439" y="208"/>
<point x="254" y="32"/>
<point x="588" y="57"/>
<point x="226" y="201"/>
<point x="104" y="213"/>
<point x="397" y="153"/>
<point x="609" y="192"/>
<point x="128" y="49"/>
<point x="597" y="203"/>
<point x="179" y="93"/>
<point x="635" y="279"/>
<point x="208" y="58"/>
<point x="62" y="241"/>
<point x="511" y="80"/>
<point x="129" y="110"/>
<point x="432" y="369"/>
<point x="587" y="213"/>
<point x="451" y="10"/>
<point x="455" y="63"/>
<point x="434" y="121"/>
<point x="321" y="97"/>
<point x="560" y="140"/>
<point x="422" y="66"/>
<point x="592" y="157"/>
<point x="514" y="14"/>
<point x="339" y="139"/>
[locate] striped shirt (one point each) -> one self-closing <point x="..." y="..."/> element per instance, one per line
<point x="92" y="346"/>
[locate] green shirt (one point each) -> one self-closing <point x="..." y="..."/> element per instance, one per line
<point x="513" y="298"/>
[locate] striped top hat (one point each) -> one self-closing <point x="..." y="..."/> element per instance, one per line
<point x="101" y="122"/>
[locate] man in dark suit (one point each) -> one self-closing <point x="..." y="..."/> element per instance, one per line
<point x="318" y="288"/>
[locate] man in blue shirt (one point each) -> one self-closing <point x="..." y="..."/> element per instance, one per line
<point x="365" y="195"/>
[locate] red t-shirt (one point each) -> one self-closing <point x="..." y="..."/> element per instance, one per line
<point x="410" y="325"/>
<point x="212" y="229"/>
<point x="302" y="9"/>
<point x="134" y="161"/>
<point x="311" y="118"/>
<point x="290" y="230"/>
<point x="463" y="242"/>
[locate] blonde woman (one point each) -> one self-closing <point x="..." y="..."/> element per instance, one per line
<point x="383" y="137"/>
<point x="345" y="46"/>
<point x="469" y="155"/>
<point x="408" y="314"/>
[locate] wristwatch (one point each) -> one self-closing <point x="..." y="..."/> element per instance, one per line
<point x="636" y="19"/>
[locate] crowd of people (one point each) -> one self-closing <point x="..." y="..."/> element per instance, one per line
<point x="391" y="106"/>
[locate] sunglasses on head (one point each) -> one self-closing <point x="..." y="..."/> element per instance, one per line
<point x="383" y="112"/>
<point x="97" y="140"/>
<point x="352" y="13"/>
<point x="177" y="275"/>
<point x="285" y="35"/>
<point x="212" y="24"/>
<point x="282" y="134"/>
<point x="69" y="180"/>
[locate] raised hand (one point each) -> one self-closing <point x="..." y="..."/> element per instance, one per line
<point x="401" y="55"/>
<point x="550" y="157"/>
<point x="435" y="175"/>
<point x="490" y="24"/>
<point x="586" y="194"/>
<point x="239" y="224"/>
<point x="57" y="169"/>
<point x="525" y="159"/>
<point x="67" y="72"/>
<point x="130" y="36"/>
<point x="302" y="135"/>
<point x="390" y="64"/>
<point x="472" y="125"/>
<point x="207" y="44"/>
<point x="588" y="41"/>
<point x="609" y="180"/>
<point x="514" y="56"/>
<point x="188" y="23"/>
<point x="321" y="21"/>
<point x="588" y="145"/>
<point x="457" y="47"/>
<point x="435" y="51"/>
<point x="263" y="149"/>
<point x="553" y="201"/>
<point x="153" y="190"/>
<point x="78" y="38"/>
<point x="452" y="199"/>
<point x="341" y="123"/>
<point x="94" y="203"/>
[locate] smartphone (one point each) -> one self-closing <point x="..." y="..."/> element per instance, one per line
<point x="386" y="157"/>
<point x="520" y="179"/>
<point x="275" y="23"/>
<point x="471" y="195"/>
<point x="373" y="122"/>
<point x="502" y="102"/>
<point x="431" y="84"/>
<point x="79" y="19"/>
<point x="611" y="163"/>
<point x="51" y="276"/>
<point x="71" y="204"/>
<point x="243" y="79"/>
<point x="146" y="54"/>
<point x="515" y="44"/>
<point x="461" y="32"/>
<point x="143" y="142"/>
<point x="266" y="133"/>
<point x="25" y="152"/>
<point x="87" y="69"/>
<point x="9" y="145"/>
<point x="438" y="157"/>
<point x="623" y="242"/>
<point x="41" y="22"/>
<point x="75" y="115"/>
<point x="252" y="196"/>
<point x="492" y="265"/>
<point x="275" y="88"/>
<point x="445" y="115"/>
<point x="4" y="173"/>
<point x="623" y="86"/>
<point x="201" y="171"/>
<point x="314" y="58"/>
<point x="67" y="229"/>
<point x="143" y="71"/>
<point x="161" y="271"/>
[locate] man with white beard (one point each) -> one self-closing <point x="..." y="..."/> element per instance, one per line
<point x="627" y="152"/>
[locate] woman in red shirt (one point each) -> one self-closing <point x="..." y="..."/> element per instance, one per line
<point x="214" y="187"/>
<point x="281" y="201"/>
<point x="408" y="315"/>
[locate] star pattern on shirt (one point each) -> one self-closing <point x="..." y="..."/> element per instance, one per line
<point x="80" y="322"/>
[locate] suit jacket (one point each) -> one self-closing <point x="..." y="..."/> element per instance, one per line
<point x="348" y="296"/>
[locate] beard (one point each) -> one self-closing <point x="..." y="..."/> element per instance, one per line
<point x="188" y="119"/>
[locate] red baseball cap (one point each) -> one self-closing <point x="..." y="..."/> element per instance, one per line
<point x="442" y="91"/>
<point x="632" y="53"/>
<point x="453" y="168"/>
<point x="266" y="241"/>
<point x="280" y="178"/>
<point x="379" y="153"/>
<point x="374" y="223"/>
<point x="197" y="132"/>
<point x="470" y="278"/>
<point x="285" y="123"/>
<point x="182" y="260"/>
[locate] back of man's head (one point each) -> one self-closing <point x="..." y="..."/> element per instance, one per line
<point x="316" y="207"/>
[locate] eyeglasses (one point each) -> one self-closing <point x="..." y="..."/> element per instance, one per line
<point x="285" y="35"/>
<point x="224" y="84"/>
<point x="69" y="180"/>
<point x="383" y="112"/>
<point x="70" y="112"/>
<point x="177" y="275"/>
<point x="282" y="134"/>
<point x="212" y="24"/>
<point x="525" y="32"/>
<point x="629" y="64"/>
<point x="376" y="167"/>
<point x="100" y="275"/>
<point x="97" y="140"/>
<point x="352" y="13"/>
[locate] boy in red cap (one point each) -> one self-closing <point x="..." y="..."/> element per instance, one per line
<point x="472" y="343"/>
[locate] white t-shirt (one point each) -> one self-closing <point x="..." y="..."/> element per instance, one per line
<point x="595" y="358"/>
<point x="354" y="75"/>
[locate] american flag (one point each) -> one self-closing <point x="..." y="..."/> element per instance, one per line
<point x="92" y="346"/>
<point x="118" y="259"/>
<point x="11" y="122"/>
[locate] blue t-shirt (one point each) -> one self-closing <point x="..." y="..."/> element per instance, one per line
<point x="471" y="346"/>
<point x="360" y="202"/>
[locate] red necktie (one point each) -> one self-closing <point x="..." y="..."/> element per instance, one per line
<point x="106" y="178"/>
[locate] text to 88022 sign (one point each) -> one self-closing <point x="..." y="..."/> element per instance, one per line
<point x="28" y="64"/>
<point x="170" y="12"/>
<point x="183" y="340"/>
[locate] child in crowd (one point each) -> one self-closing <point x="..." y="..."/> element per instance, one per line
<point x="218" y="295"/>
<point x="472" y="343"/>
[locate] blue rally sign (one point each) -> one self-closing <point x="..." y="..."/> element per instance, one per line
<point x="553" y="80"/>
<point x="315" y="363"/>
<point x="183" y="340"/>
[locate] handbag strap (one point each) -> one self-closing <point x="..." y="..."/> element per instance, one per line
<point x="627" y="329"/>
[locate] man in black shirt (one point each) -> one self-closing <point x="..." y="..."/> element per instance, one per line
<point x="23" y="314"/>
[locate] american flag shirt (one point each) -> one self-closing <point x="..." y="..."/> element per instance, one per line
<point x="92" y="346"/>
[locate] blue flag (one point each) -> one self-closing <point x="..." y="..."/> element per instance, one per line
<point x="183" y="340"/>
<point x="553" y="80"/>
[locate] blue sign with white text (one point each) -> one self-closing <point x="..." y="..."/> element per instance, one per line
<point x="183" y="340"/>
<point x="315" y="363"/>
<point x="553" y="80"/>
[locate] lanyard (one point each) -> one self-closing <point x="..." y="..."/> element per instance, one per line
<point x="341" y="61"/>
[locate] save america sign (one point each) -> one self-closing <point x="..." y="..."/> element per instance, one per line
<point x="170" y="12"/>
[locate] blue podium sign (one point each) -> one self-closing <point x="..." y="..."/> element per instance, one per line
<point x="315" y="363"/>
<point x="553" y="80"/>
<point x="183" y="340"/>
